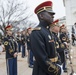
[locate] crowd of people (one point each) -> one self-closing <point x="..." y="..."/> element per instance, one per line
<point x="46" y="44"/>
<point x="13" y="44"/>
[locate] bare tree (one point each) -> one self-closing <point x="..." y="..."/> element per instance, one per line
<point x="11" y="11"/>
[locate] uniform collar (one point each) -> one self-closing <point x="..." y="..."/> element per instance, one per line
<point x="44" y="24"/>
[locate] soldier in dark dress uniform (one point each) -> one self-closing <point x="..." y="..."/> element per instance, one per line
<point x="42" y="43"/>
<point x="59" y="45"/>
<point x="64" y="39"/>
<point x="18" y="38"/>
<point x="23" y="41"/>
<point x="30" y="54"/>
<point x="11" y="52"/>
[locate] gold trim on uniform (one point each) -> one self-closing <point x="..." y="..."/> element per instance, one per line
<point x="10" y="50"/>
<point x="6" y="43"/>
<point x="62" y="45"/>
<point x="52" y="68"/>
<point x="54" y="59"/>
<point x="64" y="38"/>
<point x="57" y="45"/>
<point x="44" y="8"/>
<point x="38" y="28"/>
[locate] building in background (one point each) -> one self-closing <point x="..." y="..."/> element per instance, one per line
<point x="70" y="8"/>
<point x="62" y="20"/>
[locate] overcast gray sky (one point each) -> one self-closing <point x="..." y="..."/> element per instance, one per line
<point x="58" y="6"/>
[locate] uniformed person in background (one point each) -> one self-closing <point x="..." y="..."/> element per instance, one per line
<point x="73" y="35"/>
<point x="63" y="34"/>
<point x="30" y="54"/>
<point x="64" y="39"/>
<point x="23" y="41"/>
<point x="18" y="38"/>
<point x="55" y="28"/>
<point x="42" y="43"/>
<point x="11" y="51"/>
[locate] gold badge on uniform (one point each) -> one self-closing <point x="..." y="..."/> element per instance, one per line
<point x="57" y="45"/>
<point x="62" y="46"/>
<point x="6" y="43"/>
<point x="49" y="37"/>
<point x="51" y="40"/>
<point x="10" y="50"/>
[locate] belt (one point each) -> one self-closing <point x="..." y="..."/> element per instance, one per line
<point x="54" y="59"/>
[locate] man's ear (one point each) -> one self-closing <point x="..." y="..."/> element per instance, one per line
<point x="41" y="16"/>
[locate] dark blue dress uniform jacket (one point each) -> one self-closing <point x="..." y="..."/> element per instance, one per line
<point x="43" y="47"/>
<point x="60" y="47"/>
<point x="23" y="40"/>
<point x="28" y="42"/>
<point x="10" y="46"/>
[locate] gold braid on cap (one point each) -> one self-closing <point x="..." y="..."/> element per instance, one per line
<point x="44" y="8"/>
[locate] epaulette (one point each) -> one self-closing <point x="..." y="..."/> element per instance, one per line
<point x="38" y="28"/>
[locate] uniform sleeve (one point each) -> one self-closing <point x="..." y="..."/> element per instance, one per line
<point x="7" y="47"/>
<point x="39" y="50"/>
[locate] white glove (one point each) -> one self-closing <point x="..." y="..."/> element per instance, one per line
<point x="61" y="68"/>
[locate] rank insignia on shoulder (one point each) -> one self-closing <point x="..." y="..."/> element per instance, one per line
<point x="6" y="43"/>
<point x="38" y="28"/>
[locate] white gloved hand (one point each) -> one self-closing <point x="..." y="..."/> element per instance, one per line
<point x="61" y="68"/>
<point x="74" y="73"/>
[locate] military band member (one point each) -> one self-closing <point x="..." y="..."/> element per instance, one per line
<point x="64" y="39"/>
<point x="11" y="52"/>
<point x="23" y="41"/>
<point x="55" y="28"/>
<point x="42" y="43"/>
<point x="30" y="54"/>
<point x="19" y="41"/>
<point x="63" y="34"/>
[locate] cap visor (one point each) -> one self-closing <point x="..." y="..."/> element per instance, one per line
<point x="51" y="11"/>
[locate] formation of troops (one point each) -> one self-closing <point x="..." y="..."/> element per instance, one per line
<point x="47" y="44"/>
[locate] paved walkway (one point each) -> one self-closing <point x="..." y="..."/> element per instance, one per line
<point x="23" y="68"/>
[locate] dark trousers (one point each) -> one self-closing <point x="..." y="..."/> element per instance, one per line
<point x="31" y="62"/>
<point x="19" y="47"/>
<point x="11" y="66"/>
<point x="23" y="50"/>
<point x="64" y="66"/>
<point x="73" y="42"/>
